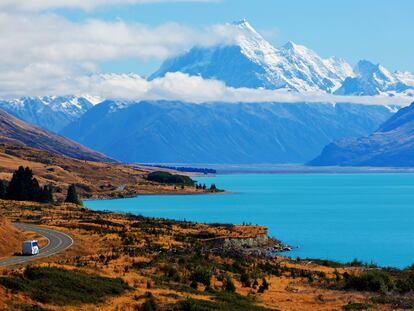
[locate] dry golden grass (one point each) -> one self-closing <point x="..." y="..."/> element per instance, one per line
<point x="93" y="179"/>
<point x="137" y="250"/>
<point x="10" y="238"/>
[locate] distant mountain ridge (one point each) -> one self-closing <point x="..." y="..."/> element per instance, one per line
<point x="391" y="145"/>
<point x="17" y="132"/>
<point x="50" y="112"/>
<point x="179" y="132"/>
<point x="374" y="79"/>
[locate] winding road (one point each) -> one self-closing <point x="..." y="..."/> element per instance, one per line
<point x="58" y="242"/>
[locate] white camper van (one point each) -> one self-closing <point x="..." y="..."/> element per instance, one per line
<point x="30" y="248"/>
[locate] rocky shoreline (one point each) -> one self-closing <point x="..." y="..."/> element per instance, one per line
<point x="260" y="245"/>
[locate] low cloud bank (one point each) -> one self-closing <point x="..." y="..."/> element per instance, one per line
<point x="194" y="89"/>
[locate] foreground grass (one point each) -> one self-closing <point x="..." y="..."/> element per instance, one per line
<point x="63" y="287"/>
<point x="223" y="302"/>
<point x="172" y="265"/>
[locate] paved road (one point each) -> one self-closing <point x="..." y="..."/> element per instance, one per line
<point x="58" y="242"/>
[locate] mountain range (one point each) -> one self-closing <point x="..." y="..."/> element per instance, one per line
<point x="50" y="112"/>
<point x="392" y="145"/>
<point x="249" y="61"/>
<point x="173" y="131"/>
<point x="371" y="79"/>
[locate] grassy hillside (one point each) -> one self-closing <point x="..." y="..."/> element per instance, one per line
<point x="93" y="179"/>
<point x="10" y="238"/>
<point x="18" y="132"/>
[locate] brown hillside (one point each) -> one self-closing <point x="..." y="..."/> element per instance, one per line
<point x="93" y="179"/>
<point x="15" y="131"/>
<point x="10" y="238"/>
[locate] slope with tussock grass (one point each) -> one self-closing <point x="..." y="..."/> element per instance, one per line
<point x="10" y="238"/>
<point x="93" y="179"/>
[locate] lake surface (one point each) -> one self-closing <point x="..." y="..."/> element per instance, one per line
<point x="329" y="216"/>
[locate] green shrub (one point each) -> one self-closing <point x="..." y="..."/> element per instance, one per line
<point x="224" y="301"/>
<point x="357" y="306"/>
<point x="201" y="275"/>
<point x="264" y="286"/>
<point x="172" y="273"/>
<point x="63" y="287"/>
<point x="245" y="279"/>
<point x="150" y="304"/>
<point x="229" y="285"/>
<point x="25" y="307"/>
<point x="373" y="281"/>
<point x="187" y="305"/>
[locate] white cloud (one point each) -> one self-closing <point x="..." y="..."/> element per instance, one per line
<point x="41" y="5"/>
<point x="45" y="53"/>
<point x="27" y="39"/>
<point x="46" y="79"/>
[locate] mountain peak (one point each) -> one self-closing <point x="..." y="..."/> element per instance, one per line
<point x="290" y="45"/>
<point x="368" y="70"/>
<point x="245" y="31"/>
<point x="251" y="61"/>
<point x="242" y="22"/>
<point x="366" y="66"/>
<point x="375" y="79"/>
<point x="294" y="48"/>
<point x="244" y="25"/>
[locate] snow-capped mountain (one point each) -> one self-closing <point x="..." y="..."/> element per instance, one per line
<point x="253" y="62"/>
<point x="374" y="79"/>
<point x="50" y="112"/>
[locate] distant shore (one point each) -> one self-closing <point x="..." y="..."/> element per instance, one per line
<point x="293" y="168"/>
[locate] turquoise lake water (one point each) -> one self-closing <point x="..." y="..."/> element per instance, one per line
<point x="339" y="217"/>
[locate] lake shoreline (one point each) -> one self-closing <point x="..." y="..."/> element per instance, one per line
<point x="314" y="212"/>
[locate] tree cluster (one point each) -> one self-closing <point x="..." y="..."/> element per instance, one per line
<point x="24" y="187"/>
<point x="200" y="186"/>
<point x="168" y="178"/>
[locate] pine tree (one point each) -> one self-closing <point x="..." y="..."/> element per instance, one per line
<point x="3" y="189"/>
<point x="33" y="189"/>
<point x="72" y="196"/>
<point x="23" y="187"/>
<point x="46" y="195"/>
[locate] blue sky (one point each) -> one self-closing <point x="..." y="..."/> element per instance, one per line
<point x="378" y="30"/>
